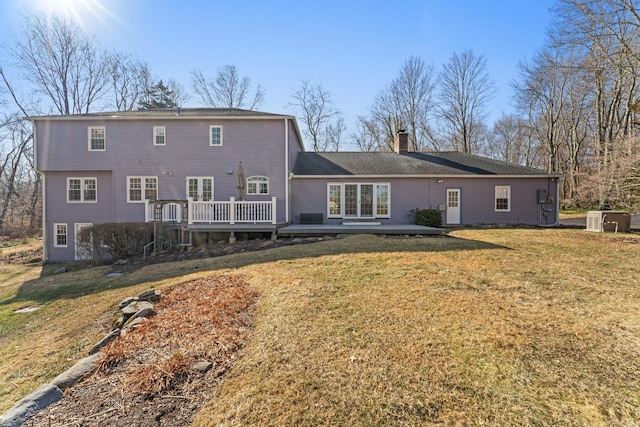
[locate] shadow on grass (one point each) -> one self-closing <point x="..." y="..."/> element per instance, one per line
<point x="91" y="280"/>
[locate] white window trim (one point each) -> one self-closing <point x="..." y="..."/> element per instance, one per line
<point x="55" y="235"/>
<point x="375" y="199"/>
<point x="142" y="189"/>
<point x="104" y="132"/>
<point x="262" y="180"/>
<point x="211" y="139"/>
<point x="495" y="198"/>
<point x="164" y="133"/>
<point x="82" y="188"/>
<point x="200" y="179"/>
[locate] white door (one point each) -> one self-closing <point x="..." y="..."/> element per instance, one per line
<point x="83" y="246"/>
<point x="200" y="188"/>
<point x="358" y="200"/>
<point x="453" y="206"/>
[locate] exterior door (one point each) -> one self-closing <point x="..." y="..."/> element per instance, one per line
<point x="453" y="206"/>
<point x="83" y="246"/>
<point x="200" y="188"/>
<point x="358" y="200"/>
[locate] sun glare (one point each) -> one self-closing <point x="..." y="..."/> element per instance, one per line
<point x="80" y="11"/>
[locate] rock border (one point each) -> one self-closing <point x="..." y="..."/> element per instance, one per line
<point x="130" y="313"/>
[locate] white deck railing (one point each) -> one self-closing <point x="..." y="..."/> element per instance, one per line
<point x="218" y="212"/>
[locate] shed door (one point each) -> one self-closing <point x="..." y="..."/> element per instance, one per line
<point x="453" y="206"/>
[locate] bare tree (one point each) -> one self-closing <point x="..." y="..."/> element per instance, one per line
<point x="315" y="110"/>
<point x="368" y="136"/>
<point x="465" y="91"/>
<point x="511" y="140"/>
<point x="228" y="90"/>
<point x="62" y="64"/>
<point x="333" y="131"/>
<point x="128" y="77"/>
<point x="407" y="103"/>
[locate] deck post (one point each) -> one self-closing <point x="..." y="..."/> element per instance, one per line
<point x="190" y="210"/>
<point x="232" y="210"/>
<point x="273" y="210"/>
<point x="146" y="210"/>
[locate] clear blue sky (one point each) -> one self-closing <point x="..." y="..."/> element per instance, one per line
<point x="353" y="48"/>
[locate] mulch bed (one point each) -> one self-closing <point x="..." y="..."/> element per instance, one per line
<point x="147" y="377"/>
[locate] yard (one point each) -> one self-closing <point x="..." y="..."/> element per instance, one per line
<point x="499" y="327"/>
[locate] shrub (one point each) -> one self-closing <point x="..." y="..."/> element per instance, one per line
<point x="427" y="217"/>
<point x="121" y="239"/>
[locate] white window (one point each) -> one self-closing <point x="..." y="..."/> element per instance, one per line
<point x="60" y="231"/>
<point x="258" y="185"/>
<point x="370" y="200"/>
<point x="82" y="190"/>
<point x="97" y="138"/>
<point x="159" y="135"/>
<point x="141" y="188"/>
<point x="503" y="198"/>
<point x="215" y="135"/>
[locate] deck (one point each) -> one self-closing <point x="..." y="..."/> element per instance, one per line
<point x="324" y="229"/>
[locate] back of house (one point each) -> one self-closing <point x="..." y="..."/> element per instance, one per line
<point x="106" y="167"/>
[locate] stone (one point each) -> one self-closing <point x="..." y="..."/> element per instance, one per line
<point x="104" y="341"/>
<point x="77" y="371"/>
<point x="134" y="323"/>
<point x="150" y="295"/>
<point x="121" y="262"/>
<point x="125" y="302"/>
<point x="44" y="396"/>
<point x="202" y="366"/>
<point x="144" y="312"/>
<point x="134" y="307"/>
<point x="60" y="270"/>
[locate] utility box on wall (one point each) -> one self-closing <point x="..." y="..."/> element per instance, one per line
<point x="543" y="196"/>
<point x="608" y="221"/>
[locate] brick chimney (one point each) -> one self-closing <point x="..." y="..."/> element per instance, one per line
<point x="401" y="143"/>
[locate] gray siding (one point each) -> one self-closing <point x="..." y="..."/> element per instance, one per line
<point x="477" y="198"/>
<point x="62" y="151"/>
<point x="58" y="210"/>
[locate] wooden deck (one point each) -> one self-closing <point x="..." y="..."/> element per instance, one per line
<point x="324" y="229"/>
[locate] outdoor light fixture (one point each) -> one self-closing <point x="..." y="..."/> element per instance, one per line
<point x="440" y="181"/>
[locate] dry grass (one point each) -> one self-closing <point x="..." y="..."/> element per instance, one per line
<point x="541" y="329"/>
<point x="499" y="327"/>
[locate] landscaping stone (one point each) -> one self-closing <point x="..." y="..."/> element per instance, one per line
<point x="104" y="341"/>
<point x="125" y="302"/>
<point x="135" y="323"/>
<point x="150" y="296"/>
<point x="202" y="366"/>
<point x="60" y="270"/>
<point x="44" y="396"/>
<point x="135" y="307"/>
<point x="77" y="371"/>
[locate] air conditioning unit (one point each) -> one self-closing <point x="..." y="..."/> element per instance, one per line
<point x="608" y="221"/>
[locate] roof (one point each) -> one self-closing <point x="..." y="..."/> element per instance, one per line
<point x="168" y="113"/>
<point x="391" y="163"/>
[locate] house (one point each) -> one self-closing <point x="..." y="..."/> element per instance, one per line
<point x="232" y="170"/>
<point x="386" y="186"/>
<point x="105" y="167"/>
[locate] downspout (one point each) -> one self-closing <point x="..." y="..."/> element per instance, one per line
<point x="557" y="202"/>
<point x="45" y="234"/>
<point x="286" y="169"/>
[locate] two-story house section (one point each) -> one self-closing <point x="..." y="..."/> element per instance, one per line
<point x="231" y="168"/>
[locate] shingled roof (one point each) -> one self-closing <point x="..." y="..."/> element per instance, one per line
<point x="390" y="163"/>
<point x="170" y="113"/>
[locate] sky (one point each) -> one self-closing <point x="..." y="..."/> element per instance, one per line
<point x="354" y="49"/>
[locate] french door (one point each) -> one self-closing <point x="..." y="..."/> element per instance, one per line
<point x="358" y="200"/>
<point x="200" y="188"/>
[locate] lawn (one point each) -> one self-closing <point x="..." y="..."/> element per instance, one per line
<point x="499" y="327"/>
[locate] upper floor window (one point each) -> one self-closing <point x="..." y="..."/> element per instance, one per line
<point x="97" y="140"/>
<point x="257" y="185"/>
<point x="503" y="198"/>
<point x="159" y="135"/>
<point x="141" y="188"/>
<point x="215" y="135"/>
<point x="82" y="190"/>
